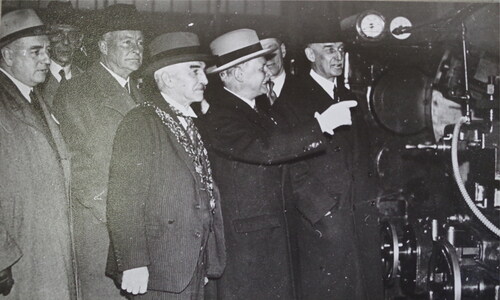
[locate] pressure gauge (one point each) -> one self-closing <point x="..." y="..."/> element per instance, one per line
<point x="369" y="25"/>
<point x="398" y="27"/>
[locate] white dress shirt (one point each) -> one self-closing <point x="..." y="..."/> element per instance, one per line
<point x="55" y="68"/>
<point x="279" y="82"/>
<point x="326" y="84"/>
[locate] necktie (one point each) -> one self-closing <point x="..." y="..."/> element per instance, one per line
<point x="127" y="87"/>
<point x="63" y="76"/>
<point x="336" y="98"/>
<point x="38" y="108"/>
<point x="271" y="95"/>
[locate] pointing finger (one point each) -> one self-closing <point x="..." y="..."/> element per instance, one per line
<point x="347" y="103"/>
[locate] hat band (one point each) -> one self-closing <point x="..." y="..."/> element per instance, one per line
<point x="30" y="31"/>
<point x="229" y="57"/>
<point x="175" y="52"/>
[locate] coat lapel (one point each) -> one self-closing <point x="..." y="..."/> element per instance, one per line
<point x="113" y="94"/>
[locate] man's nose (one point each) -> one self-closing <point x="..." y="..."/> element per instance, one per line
<point x="203" y="78"/>
<point x="136" y="47"/>
<point x="65" y="39"/>
<point x="45" y="56"/>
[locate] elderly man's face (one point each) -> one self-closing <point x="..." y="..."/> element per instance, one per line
<point x="29" y="61"/>
<point x="64" y="41"/>
<point x="188" y="81"/>
<point x="327" y="59"/>
<point x="274" y="60"/>
<point x="255" y="75"/>
<point x="123" y="51"/>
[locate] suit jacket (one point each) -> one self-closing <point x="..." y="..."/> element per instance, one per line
<point x="158" y="209"/>
<point x="50" y="86"/>
<point x="35" y="234"/>
<point x="246" y="149"/>
<point x="288" y="91"/>
<point x="334" y="182"/>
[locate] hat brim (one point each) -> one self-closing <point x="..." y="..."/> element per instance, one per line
<point x="31" y="31"/>
<point x="217" y="69"/>
<point x="172" y="60"/>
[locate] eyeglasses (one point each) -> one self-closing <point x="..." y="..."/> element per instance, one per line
<point x="72" y="36"/>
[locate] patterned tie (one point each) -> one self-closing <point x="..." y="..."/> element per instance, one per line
<point x="63" y="76"/>
<point x="271" y="95"/>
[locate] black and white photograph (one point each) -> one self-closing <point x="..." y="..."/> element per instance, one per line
<point x="249" y="150"/>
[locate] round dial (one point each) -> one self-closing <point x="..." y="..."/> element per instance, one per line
<point x="400" y="22"/>
<point x="371" y="26"/>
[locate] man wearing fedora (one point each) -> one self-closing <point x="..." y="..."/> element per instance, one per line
<point x="65" y="40"/>
<point x="35" y="230"/>
<point x="164" y="213"/>
<point x="89" y="108"/>
<point x="333" y="192"/>
<point x="246" y="148"/>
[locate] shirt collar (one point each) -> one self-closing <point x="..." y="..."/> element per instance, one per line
<point x="250" y="103"/>
<point x="279" y="81"/>
<point x="326" y="84"/>
<point x="185" y="111"/>
<point x="118" y="78"/>
<point x="23" y="88"/>
<point x="55" y="68"/>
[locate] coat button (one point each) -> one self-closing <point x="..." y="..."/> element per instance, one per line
<point x="197" y="206"/>
<point x="197" y="234"/>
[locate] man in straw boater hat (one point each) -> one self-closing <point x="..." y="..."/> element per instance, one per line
<point x="35" y="234"/>
<point x="164" y="213"/>
<point x="247" y="148"/>
<point x="89" y="108"/>
<point x="335" y="241"/>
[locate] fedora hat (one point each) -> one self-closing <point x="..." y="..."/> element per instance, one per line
<point x="236" y="47"/>
<point x="18" y="24"/>
<point x="61" y="13"/>
<point x="325" y="30"/>
<point x="173" y="48"/>
<point x="118" y="17"/>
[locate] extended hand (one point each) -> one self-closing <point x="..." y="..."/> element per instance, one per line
<point x="135" y="281"/>
<point x="6" y="281"/>
<point x="336" y="115"/>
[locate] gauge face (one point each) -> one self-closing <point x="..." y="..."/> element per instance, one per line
<point x="371" y="26"/>
<point x="397" y="23"/>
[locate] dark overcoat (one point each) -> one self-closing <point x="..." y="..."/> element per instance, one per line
<point x="34" y="202"/>
<point x="49" y="87"/>
<point x="245" y="147"/>
<point x="158" y="209"/>
<point x="89" y="108"/>
<point x="339" y="253"/>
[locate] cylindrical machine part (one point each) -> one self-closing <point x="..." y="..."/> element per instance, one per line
<point x="450" y="235"/>
<point x="435" y="232"/>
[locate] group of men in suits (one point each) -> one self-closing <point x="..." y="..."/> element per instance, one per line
<point x="267" y="193"/>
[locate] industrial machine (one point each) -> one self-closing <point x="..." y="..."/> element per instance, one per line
<point x="432" y="98"/>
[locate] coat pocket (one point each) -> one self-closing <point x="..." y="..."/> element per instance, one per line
<point x="256" y="223"/>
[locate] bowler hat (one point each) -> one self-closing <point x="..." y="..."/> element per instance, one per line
<point x="118" y="17"/>
<point x="173" y="48"/>
<point x="326" y="30"/>
<point x="236" y="47"/>
<point x="18" y="24"/>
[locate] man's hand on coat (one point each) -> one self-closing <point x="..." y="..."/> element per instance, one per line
<point x="336" y="115"/>
<point x="135" y="281"/>
<point x="6" y="281"/>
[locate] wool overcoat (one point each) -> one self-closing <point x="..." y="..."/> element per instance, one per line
<point x="158" y="209"/>
<point x="34" y="202"/>
<point x="49" y="87"/>
<point x="89" y="108"/>
<point x="246" y="150"/>
<point x="335" y="219"/>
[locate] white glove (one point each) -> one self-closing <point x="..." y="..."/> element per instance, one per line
<point x="336" y="115"/>
<point x="135" y="281"/>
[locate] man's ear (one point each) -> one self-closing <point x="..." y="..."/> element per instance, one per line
<point x="238" y="73"/>
<point x="8" y="57"/>
<point x="166" y="78"/>
<point x="283" y="50"/>
<point x="103" y="47"/>
<point x="310" y="54"/>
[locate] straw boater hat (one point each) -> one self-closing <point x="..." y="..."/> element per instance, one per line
<point x="173" y="48"/>
<point x="236" y="47"/>
<point x="18" y="24"/>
